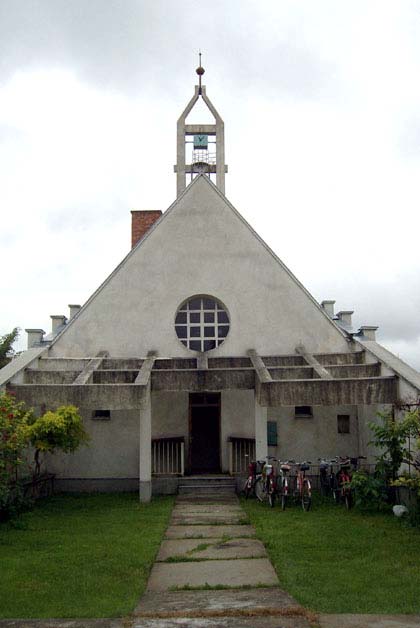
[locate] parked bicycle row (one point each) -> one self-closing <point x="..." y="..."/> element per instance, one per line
<point x="286" y="481"/>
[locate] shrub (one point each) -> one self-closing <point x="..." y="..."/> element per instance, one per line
<point x="14" y="418"/>
<point x="391" y="437"/>
<point x="61" y="429"/>
<point x="370" y="491"/>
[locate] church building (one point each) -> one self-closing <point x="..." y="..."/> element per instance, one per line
<point x="202" y="350"/>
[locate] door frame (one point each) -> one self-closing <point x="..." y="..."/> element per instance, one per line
<point x="217" y="404"/>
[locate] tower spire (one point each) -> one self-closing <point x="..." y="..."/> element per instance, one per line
<point x="205" y="142"/>
<point x="200" y="71"/>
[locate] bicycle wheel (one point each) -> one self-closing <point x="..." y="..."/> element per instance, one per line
<point x="348" y="500"/>
<point x="284" y="491"/>
<point x="283" y="501"/>
<point x="335" y="490"/>
<point x="260" y="492"/>
<point x="306" y="497"/>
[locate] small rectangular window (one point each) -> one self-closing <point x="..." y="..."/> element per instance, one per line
<point x="194" y="317"/>
<point x="343" y="423"/>
<point x="209" y="304"/>
<point x="272" y="433"/>
<point x="303" y="412"/>
<point x="102" y="415"/>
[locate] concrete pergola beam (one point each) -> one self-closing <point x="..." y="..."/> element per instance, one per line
<point x="259" y="366"/>
<point x="312" y="361"/>
<point x="90" y="367"/>
<point x="145" y="371"/>
<point x="202" y="362"/>
<point x="332" y="392"/>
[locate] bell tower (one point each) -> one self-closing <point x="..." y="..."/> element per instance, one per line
<point x="207" y="142"/>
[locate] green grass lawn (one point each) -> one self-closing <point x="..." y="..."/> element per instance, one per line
<point x="334" y="561"/>
<point x="80" y="556"/>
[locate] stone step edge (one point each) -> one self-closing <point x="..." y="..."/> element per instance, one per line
<point x="257" y="611"/>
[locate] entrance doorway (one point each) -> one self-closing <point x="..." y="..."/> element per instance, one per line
<point x="204" y="450"/>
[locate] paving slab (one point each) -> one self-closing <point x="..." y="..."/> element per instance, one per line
<point x="211" y="549"/>
<point x="207" y="507"/>
<point x="62" y="623"/>
<point x="213" y="498"/>
<point x="208" y="518"/>
<point x="229" y="573"/>
<point x="369" y="621"/>
<point x="224" y="622"/>
<point x="214" y="601"/>
<point x="208" y="531"/>
<point x="206" y="499"/>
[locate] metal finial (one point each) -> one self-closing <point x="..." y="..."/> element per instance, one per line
<point x="200" y="71"/>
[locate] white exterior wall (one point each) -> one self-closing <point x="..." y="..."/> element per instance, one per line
<point x="200" y="246"/>
<point x="316" y="437"/>
<point x="113" y="451"/>
<point x="170" y="414"/>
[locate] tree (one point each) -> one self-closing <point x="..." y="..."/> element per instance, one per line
<point x="14" y="418"/>
<point x="6" y="349"/>
<point x="392" y="437"/>
<point x="61" y="429"/>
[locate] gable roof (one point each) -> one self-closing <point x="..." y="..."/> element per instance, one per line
<point x="200" y="180"/>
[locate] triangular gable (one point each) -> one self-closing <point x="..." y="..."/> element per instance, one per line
<point x="201" y="245"/>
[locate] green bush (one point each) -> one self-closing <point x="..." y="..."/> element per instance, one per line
<point x="62" y="429"/>
<point x="14" y="418"/>
<point x="370" y="491"/>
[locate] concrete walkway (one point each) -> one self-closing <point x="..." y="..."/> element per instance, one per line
<point x="211" y="572"/>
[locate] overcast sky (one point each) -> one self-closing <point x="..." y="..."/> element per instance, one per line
<point x="321" y="103"/>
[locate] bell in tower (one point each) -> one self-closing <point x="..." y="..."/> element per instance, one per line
<point x="207" y="142"/>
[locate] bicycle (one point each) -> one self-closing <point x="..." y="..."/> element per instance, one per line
<point x="265" y="486"/>
<point x="303" y="488"/>
<point x="328" y="484"/>
<point x="254" y="474"/>
<point x="283" y="482"/>
<point x="345" y="492"/>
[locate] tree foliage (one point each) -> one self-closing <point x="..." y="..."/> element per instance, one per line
<point x="6" y="346"/>
<point x="61" y="429"/>
<point x="14" y="418"/>
<point x="392" y="438"/>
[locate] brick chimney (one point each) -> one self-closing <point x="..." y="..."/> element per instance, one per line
<point x="141" y="221"/>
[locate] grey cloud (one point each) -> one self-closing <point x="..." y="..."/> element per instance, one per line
<point x="132" y="45"/>
<point x="393" y="306"/>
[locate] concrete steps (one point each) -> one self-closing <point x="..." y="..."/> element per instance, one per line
<point x="209" y="485"/>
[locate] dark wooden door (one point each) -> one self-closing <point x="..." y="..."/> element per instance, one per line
<point x="204" y="432"/>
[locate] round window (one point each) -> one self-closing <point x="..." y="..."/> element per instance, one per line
<point x="202" y="323"/>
